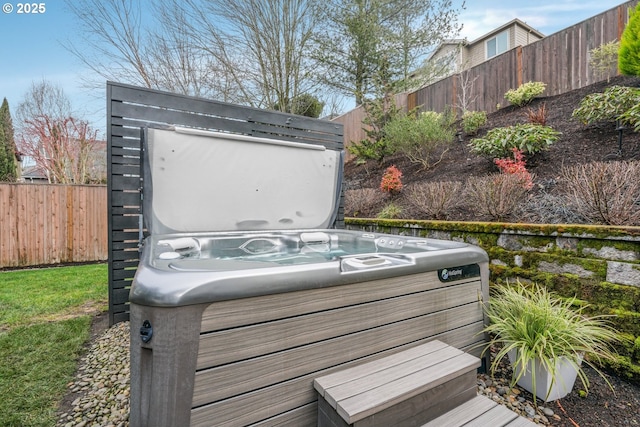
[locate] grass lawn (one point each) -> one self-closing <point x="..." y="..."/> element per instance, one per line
<point x="45" y="316"/>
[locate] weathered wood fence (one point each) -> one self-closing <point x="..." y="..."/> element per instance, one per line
<point x="561" y="60"/>
<point x="51" y="224"/>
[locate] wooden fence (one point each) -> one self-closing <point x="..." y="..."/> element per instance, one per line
<point x="51" y="224"/>
<point x="560" y="60"/>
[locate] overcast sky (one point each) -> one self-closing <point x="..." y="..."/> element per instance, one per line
<point x="546" y="16"/>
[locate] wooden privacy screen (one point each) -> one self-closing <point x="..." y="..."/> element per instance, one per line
<point x="131" y="108"/>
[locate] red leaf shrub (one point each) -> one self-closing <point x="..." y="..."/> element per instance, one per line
<point x="391" y="180"/>
<point x="516" y="166"/>
<point x="538" y="116"/>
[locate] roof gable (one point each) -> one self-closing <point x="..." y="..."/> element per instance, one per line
<point x="512" y="23"/>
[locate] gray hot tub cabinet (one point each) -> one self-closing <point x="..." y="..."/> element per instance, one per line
<point x="234" y="316"/>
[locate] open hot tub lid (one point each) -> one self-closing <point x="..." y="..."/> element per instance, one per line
<point x="203" y="181"/>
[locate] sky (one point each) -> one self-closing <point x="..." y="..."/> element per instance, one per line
<point x="32" y="45"/>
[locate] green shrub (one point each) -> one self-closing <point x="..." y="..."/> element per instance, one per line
<point x="367" y="149"/>
<point x="391" y="211"/>
<point x="629" y="53"/>
<point x="472" y="121"/>
<point x="604" y="57"/>
<point x="304" y="105"/>
<point x="528" y="138"/>
<point x="609" y="105"/>
<point x="631" y="117"/>
<point x="307" y="105"/>
<point x="420" y="138"/>
<point x="433" y="116"/>
<point x="525" y="93"/>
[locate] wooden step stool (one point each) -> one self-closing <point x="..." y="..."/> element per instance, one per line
<point x="409" y="388"/>
<point x="480" y="412"/>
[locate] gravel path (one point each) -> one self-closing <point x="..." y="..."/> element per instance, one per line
<point x="99" y="394"/>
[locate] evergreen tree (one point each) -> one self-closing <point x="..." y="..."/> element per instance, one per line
<point x="354" y="35"/>
<point x="8" y="158"/>
<point x="629" y="54"/>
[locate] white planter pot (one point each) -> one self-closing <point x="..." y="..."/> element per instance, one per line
<point x="546" y="389"/>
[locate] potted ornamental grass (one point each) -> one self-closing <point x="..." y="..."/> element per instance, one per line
<point x="546" y="339"/>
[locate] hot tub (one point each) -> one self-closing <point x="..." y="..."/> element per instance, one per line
<point x="244" y="293"/>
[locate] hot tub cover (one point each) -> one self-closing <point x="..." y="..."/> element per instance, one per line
<point x="203" y="181"/>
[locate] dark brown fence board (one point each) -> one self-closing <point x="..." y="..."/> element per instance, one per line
<point x="121" y="283"/>
<point x="168" y="101"/>
<point x="131" y="108"/>
<point x="128" y="244"/>
<point x="132" y="142"/>
<point x="123" y="274"/>
<point x="125" y="255"/>
<point x="121" y="296"/>
<point x="119" y="265"/>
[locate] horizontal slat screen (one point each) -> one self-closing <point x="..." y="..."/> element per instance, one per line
<point x="131" y="108"/>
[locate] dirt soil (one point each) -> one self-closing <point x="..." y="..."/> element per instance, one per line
<point x="577" y="144"/>
<point x="602" y="407"/>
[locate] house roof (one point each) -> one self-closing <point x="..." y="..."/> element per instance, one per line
<point x="33" y="172"/>
<point x="465" y="42"/>
<point x="511" y="23"/>
<point x="448" y="42"/>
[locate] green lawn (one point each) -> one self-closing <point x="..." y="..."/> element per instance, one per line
<point x="28" y="296"/>
<point x="44" y="322"/>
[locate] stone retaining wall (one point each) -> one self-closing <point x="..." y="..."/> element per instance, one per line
<point x="598" y="265"/>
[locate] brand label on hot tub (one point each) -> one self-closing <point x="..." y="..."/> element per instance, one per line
<point x="458" y="273"/>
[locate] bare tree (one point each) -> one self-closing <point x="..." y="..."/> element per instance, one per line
<point x="62" y="147"/>
<point x="262" y="46"/>
<point x="49" y="134"/>
<point x="250" y="51"/>
<point x="42" y="99"/>
<point x="466" y="95"/>
<point x="116" y="38"/>
<point x="178" y="64"/>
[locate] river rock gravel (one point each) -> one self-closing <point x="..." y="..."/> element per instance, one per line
<point x="99" y="394"/>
